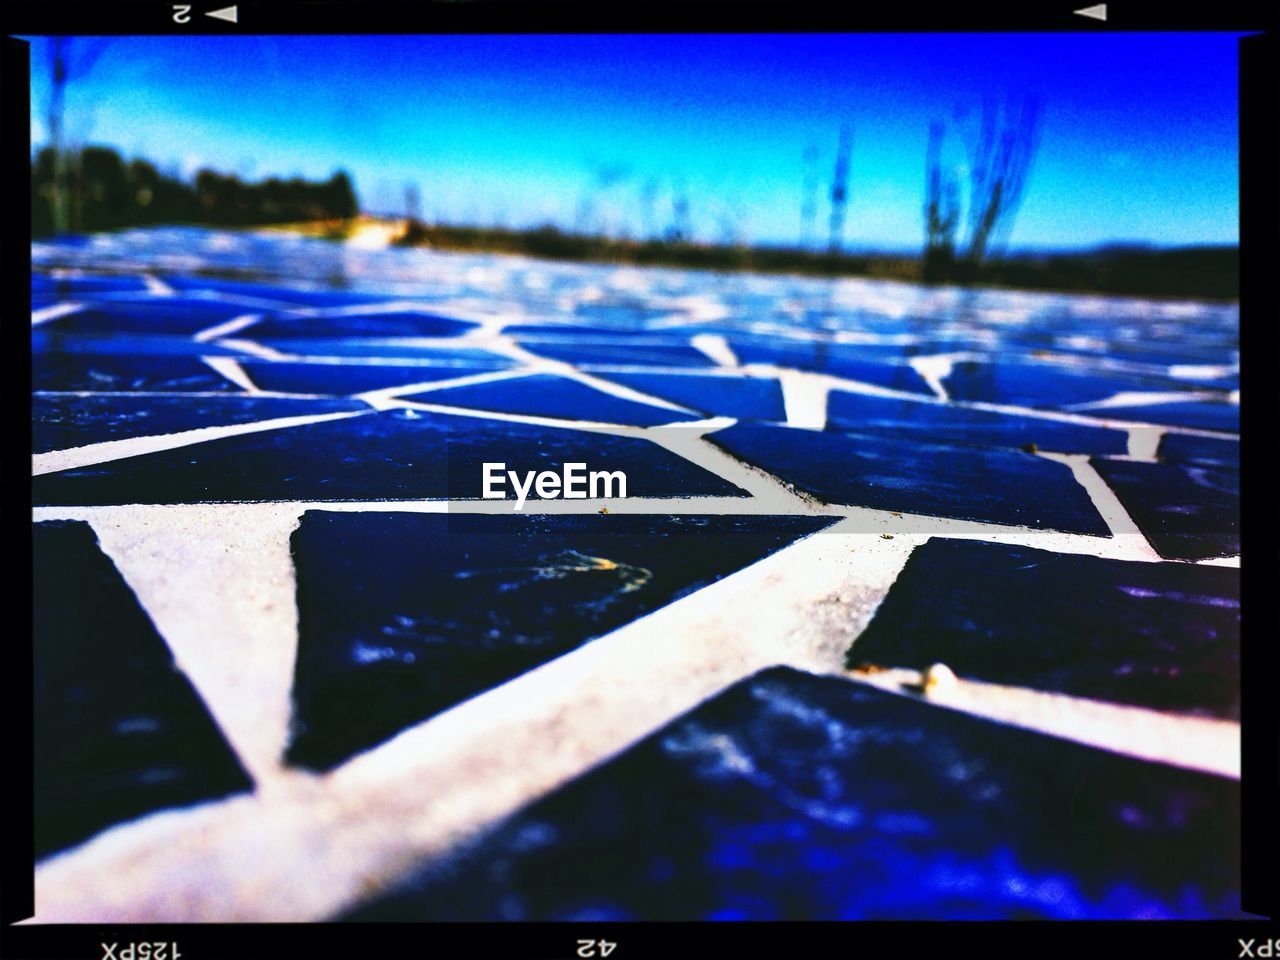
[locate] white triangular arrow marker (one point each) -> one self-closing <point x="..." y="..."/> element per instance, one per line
<point x="1097" y="11"/>
<point x="229" y="14"/>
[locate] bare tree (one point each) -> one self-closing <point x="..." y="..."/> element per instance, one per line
<point x="809" y="196"/>
<point x="840" y="189"/>
<point x="1000" y="158"/>
<point x="412" y="202"/>
<point x="999" y="151"/>
<point x="941" y="209"/>
<point x="69" y="60"/>
<point x="681" y="230"/>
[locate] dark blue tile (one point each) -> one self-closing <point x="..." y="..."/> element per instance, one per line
<point x="795" y="797"/>
<point x="394" y="455"/>
<point x="399" y="323"/>
<point x="354" y="347"/>
<point x="617" y="352"/>
<point x="882" y="366"/>
<point x="282" y="293"/>
<point x="558" y="330"/>
<point x="62" y="422"/>
<point x="748" y="398"/>
<point x="405" y="615"/>
<point x="344" y="379"/>
<point x="943" y="423"/>
<point x="993" y="486"/>
<point x="1043" y="384"/>
<point x="146" y="315"/>
<point x="1158" y="635"/>
<point x="70" y="288"/>
<point x="1186" y="512"/>
<point x="1200" y="451"/>
<point x="1201" y="414"/>
<point x="124" y="373"/>
<point x="119" y="730"/>
<point x="46" y="339"/>
<point x="544" y="395"/>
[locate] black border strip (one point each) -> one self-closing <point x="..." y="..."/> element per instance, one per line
<point x="116" y="17"/>
<point x="1260" y="252"/>
<point x="15" y="121"/>
<point x="1259" y="353"/>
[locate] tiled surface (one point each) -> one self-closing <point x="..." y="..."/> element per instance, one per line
<point x="64" y="421"/>
<point x="380" y="647"/>
<point x="398" y="454"/>
<point x="1187" y="512"/>
<point x="746" y="398"/>
<point x="345" y="379"/>
<point x="794" y="797"/>
<point x="942" y="423"/>
<point x="1160" y="635"/>
<point x="119" y="731"/>
<point x="128" y="374"/>
<point x="995" y="486"/>
<point x="543" y="395"/>
<point x="492" y="696"/>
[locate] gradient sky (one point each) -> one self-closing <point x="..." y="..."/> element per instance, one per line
<point x="1138" y="137"/>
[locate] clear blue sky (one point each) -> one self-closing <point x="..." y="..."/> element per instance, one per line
<point x="1138" y="137"/>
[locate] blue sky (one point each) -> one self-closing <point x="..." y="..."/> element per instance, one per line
<point x="1138" y="135"/>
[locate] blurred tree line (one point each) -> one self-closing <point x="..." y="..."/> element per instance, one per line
<point x="97" y="189"/>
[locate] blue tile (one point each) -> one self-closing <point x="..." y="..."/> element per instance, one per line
<point x="617" y="352"/>
<point x="942" y="423"/>
<point x="993" y="486"/>
<point x="795" y="797"/>
<point x="353" y="347"/>
<point x="1186" y="512"/>
<point x="544" y="395"/>
<point x="62" y="422"/>
<point x="1200" y="451"/>
<point x="70" y="288"/>
<point x="146" y="315"/>
<point x="403" y="615"/>
<point x="1044" y="384"/>
<point x="1158" y="635"/>
<point x="119" y="730"/>
<point x="393" y="455"/>
<point x="882" y="366"/>
<point x="1200" y="414"/>
<point x="125" y="373"/>
<point x="270" y="291"/>
<point x="344" y="379"/>
<point x="747" y="398"/>
<point x="47" y="340"/>
<point x="399" y="323"/>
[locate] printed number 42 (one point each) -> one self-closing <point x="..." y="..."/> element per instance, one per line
<point x="595" y="948"/>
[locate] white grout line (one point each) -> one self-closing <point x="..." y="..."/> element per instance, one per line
<point x="230" y="368"/>
<point x="234" y="325"/>
<point x="716" y="347"/>
<point x="804" y="397"/>
<point x="934" y="369"/>
<point x="224" y="602"/>
<point x="157" y="287"/>
<point x="1107" y="504"/>
<point x="254" y="349"/>
<point x="1136" y="398"/>
<point x="1194" y="743"/>
<point x="1144" y="442"/>
<point x="385" y="398"/>
<point x="108" y="450"/>
<point x="53" y="312"/>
